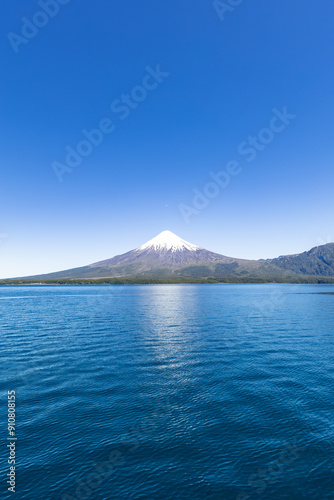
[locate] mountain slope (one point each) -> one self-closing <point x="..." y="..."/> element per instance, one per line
<point x="318" y="261"/>
<point x="169" y="257"/>
<point x="163" y="255"/>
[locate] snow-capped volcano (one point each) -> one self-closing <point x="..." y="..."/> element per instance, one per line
<point x="168" y="258"/>
<point x="167" y="240"/>
<point x="165" y="255"/>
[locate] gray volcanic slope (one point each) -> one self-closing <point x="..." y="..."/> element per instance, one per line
<point x="167" y="256"/>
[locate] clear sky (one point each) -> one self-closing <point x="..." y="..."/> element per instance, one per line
<point x="180" y="89"/>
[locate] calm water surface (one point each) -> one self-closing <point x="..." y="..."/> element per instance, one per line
<point x="169" y="392"/>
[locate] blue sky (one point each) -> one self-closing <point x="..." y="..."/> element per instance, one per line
<point x="221" y="80"/>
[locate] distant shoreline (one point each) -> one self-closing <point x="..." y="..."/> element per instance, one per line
<point x="302" y="281"/>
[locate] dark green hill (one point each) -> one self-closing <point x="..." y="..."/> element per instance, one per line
<point x="319" y="261"/>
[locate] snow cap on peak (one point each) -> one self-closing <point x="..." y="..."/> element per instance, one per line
<point x="168" y="241"/>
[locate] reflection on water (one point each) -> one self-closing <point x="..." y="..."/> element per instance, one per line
<point x="204" y="391"/>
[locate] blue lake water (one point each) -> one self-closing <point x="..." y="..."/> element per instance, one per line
<point x="169" y="392"/>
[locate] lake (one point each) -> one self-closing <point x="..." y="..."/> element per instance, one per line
<point x="169" y="391"/>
